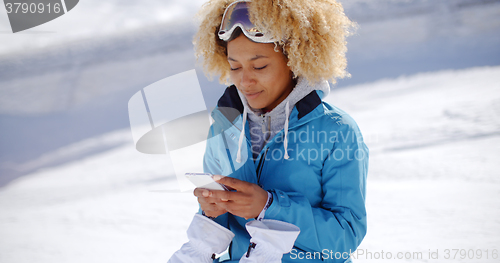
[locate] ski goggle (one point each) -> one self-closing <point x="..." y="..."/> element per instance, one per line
<point x="236" y="15"/>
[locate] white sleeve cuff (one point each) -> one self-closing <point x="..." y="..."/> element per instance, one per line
<point x="268" y="204"/>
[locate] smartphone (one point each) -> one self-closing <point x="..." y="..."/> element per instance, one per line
<point x="205" y="180"/>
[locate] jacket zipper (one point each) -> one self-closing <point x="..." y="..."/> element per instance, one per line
<point x="227" y="150"/>
<point x="266" y="133"/>
<point x="260" y="166"/>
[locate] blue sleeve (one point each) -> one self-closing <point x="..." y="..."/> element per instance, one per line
<point x="210" y="165"/>
<point x="339" y="222"/>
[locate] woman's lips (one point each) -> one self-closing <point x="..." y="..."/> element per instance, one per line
<point x="252" y="95"/>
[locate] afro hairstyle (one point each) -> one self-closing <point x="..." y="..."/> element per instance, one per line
<point x="312" y="35"/>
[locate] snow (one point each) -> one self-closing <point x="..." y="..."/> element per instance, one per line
<point x="432" y="181"/>
<point x="78" y="71"/>
<point x="74" y="189"/>
<point x="433" y="176"/>
<point x="98" y="208"/>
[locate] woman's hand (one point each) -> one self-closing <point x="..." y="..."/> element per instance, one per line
<point x="208" y="203"/>
<point x="247" y="202"/>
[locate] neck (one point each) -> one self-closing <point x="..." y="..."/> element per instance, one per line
<point x="284" y="95"/>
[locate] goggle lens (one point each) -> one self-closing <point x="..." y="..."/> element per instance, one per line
<point x="237" y="15"/>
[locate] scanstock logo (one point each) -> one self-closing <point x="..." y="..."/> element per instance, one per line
<point x="170" y="117"/>
<point x="31" y="13"/>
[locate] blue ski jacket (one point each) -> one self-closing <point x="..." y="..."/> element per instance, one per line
<point x="321" y="187"/>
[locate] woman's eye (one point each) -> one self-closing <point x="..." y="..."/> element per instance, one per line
<point x="233" y="69"/>
<point x="261" y="67"/>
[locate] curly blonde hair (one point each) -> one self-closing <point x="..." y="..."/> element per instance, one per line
<point x="312" y="32"/>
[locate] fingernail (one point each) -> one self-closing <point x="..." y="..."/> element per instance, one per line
<point x="225" y="200"/>
<point x="205" y="193"/>
<point x="217" y="177"/>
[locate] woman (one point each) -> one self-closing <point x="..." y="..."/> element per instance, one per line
<point x="293" y="160"/>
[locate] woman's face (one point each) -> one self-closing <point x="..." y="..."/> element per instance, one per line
<point x="259" y="72"/>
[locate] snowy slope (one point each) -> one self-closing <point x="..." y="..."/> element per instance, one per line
<point x="96" y="43"/>
<point x="433" y="182"/>
<point x="450" y="108"/>
<point x="86" y="195"/>
<point x="68" y="80"/>
<point x="434" y="177"/>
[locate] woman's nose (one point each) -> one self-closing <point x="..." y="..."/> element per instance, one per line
<point x="247" y="78"/>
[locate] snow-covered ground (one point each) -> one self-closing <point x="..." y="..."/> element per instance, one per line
<point x="433" y="182"/>
<point x="79" y="70"/>
<point x="434" y="177"/>
<point x="82" y="193"/>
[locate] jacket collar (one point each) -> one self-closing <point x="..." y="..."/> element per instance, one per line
<point x="231" y="99"/>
